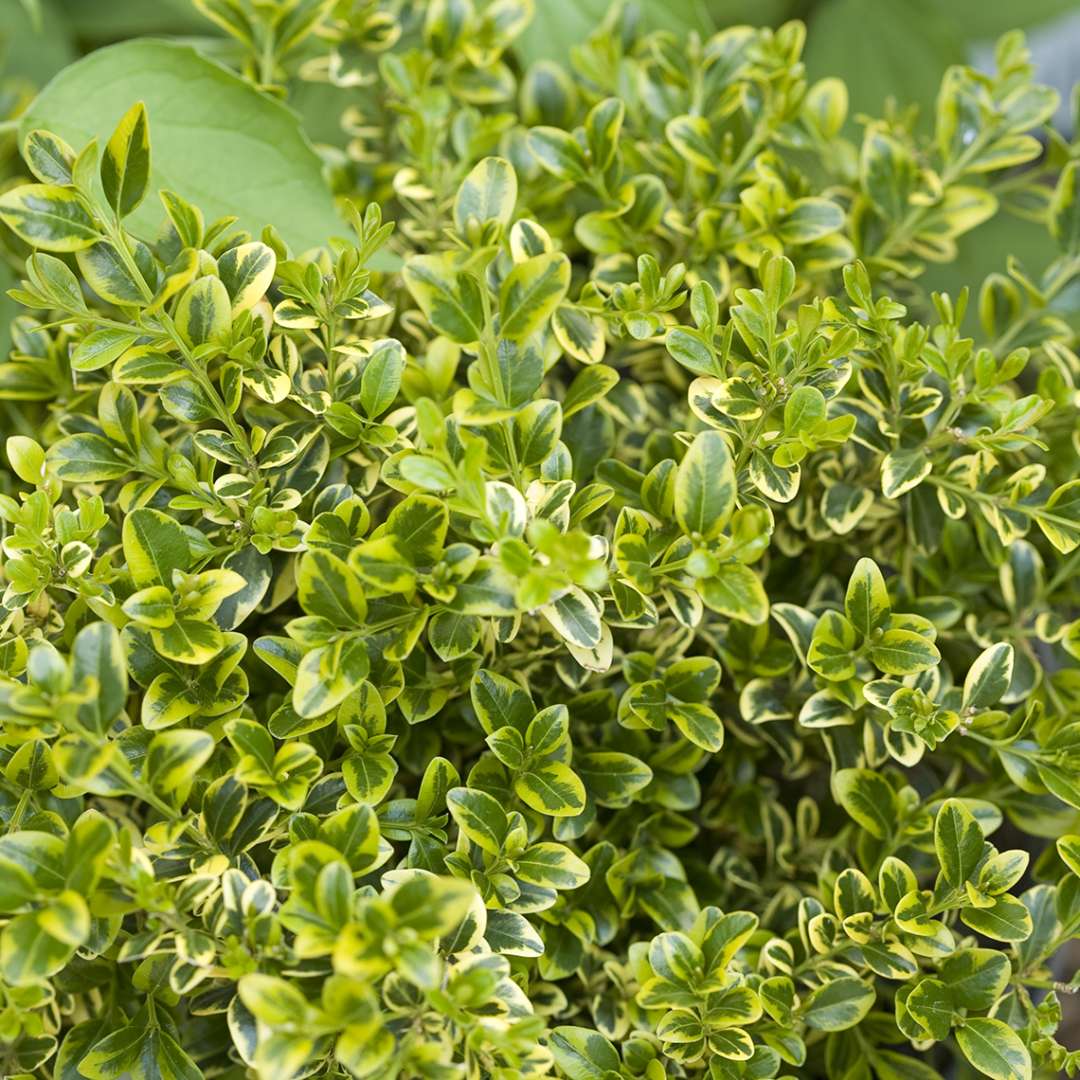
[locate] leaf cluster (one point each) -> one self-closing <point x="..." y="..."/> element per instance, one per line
<point x="608" y="622"/>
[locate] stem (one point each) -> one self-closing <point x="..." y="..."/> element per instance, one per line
<point x="987" y="498"/>
<point x="1062" y="278"/>
<point x="197" y="370"/>
<point x="917" y="214"/>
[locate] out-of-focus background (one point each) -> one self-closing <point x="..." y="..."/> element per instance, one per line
<point x="882" y="49"/>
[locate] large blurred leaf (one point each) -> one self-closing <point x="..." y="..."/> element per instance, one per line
<point x="103" y="21"/>
<point x="213" y="137"/>
<point x="883" y="48"/>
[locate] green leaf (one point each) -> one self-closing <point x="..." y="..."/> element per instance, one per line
<point x="1007" y="919"/>
<point x="450" y="300"/>
<point x="589" y="386"/>
<point x="903" y="652"/>
<point x="500" y="702"/>
<point x="903" y="470"/>
<point x="558" y="152"/>
<point x="327" y="675"/>
<point x="575" y="618"/>
<point x="204" y="311"/>
<point x="154" y="546"/>
<point x="583" y="1054"/>
<point x="810" y="219"/>
<point x="931" y="1004"/>
<point x="76" y="1045"/>
<point x="551" y="866"/>
<point x="1065" y="210"/>
<point x="531" y="292"/>
<point x="101" y="347"/>
<point x="1061" y="524"/>
<point x="174" y="759"/>
<point x="328" y="587"/>
<point x="537" y="428"/>
<point x="368" y="776"/>
<point x="976" y="977"/>
<point x="381" y="380"/>
<point x="487" y="194"/>
<point x="479" y="816"/>
<point x="125" y="162"/>
<point x="832" y="648"/>
<point x="958" y="841"/>
<point x="694" y="140"/>
<point x="869" y="800"/>
<point x="805" y="409"/>
<point x="197" y="107"/>
<point x="612" y="778"/>
<point x="271" y="999"/>
<point x="994" y="1049"/>
<point x="705" y="486"/>
<point x="867" y="602"/>
<point x="989" y="677"/>
<point x="552" y="788"/>
<point x="838" y="1005"/>
<point x="97" y="653"/>
<point x="38" y="944"/>
<point x="48" y="217"/>
<point x="699" y="724"/>
<point x="48" y="157"/>
<point x="246" y="272"/>
<point x="736" y="591"/>
<point x="110" y="274"/>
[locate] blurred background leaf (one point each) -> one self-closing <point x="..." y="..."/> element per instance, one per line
<point x="559" y="25"/>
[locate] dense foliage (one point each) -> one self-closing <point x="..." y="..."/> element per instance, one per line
<point x="609" y="623"/>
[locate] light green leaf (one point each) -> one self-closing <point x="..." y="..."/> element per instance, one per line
<point x="903" y="470"/>
<point x="989" y="677"/>
<point x="838" y="1005"/>
<point x="867" y="601"/>
<point x="531" y="292"/>
<point x="831" y="652"/>
<point x="479" y="816"/>
<point x="328" y="587"/>
<point x="551" y="866"/>
<point x="451" y="300"/>
<point x="994" y="1049"/>
<point x="705" y="486"/>
<point x="204" y="311"/>
<point x="487" y="194"/>
<point x="246" y="272"/>
<point x="125" y="162"/>
<point x="583" y="1054"/>
<point x="48" y="217"/>
<point x="174" y="759"/>
<point x="1007" y="919"/>
<point x="904" y="652"/>
<point x="958" y="841"/>
<point x="552" y="788"/>
<point x="736" y="591"/>
<point x="868" y="798"/>
<point x="327" y="675"/>
<point x="154" y="546"/>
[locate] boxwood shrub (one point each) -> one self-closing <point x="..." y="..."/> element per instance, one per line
<point x="598" y="616"/>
